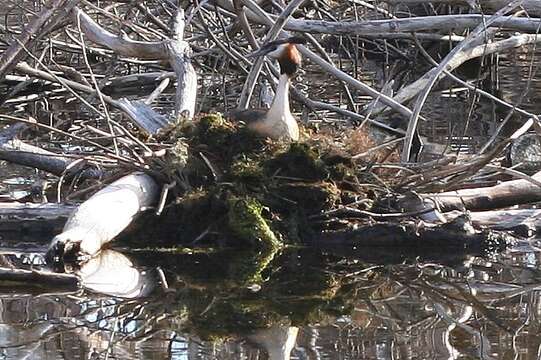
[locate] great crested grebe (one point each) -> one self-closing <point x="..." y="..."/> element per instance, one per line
<point x="277" y="122"/>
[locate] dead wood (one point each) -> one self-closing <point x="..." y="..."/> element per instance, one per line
<point x="464" y="45"/>
<point x="439" y="23"/>
<point x="532" y="7"/>
<point x="143" y="116"/>
<point x="33" y="223"/>
<point x="343" y="192"/>
<point x="52" y="13"/>
<point x="105" y="214"/>
<point x="120" y="45"/>
<point x="177" y="51"/>
<point x="39" y="212"/>
<point x="18" y="152"/>
<point x="496" y="197"/>
<point x="411" y="90"/>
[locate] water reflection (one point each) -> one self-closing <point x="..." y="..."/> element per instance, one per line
<point x="112" y="273"/>
<point x="300" y="304"/>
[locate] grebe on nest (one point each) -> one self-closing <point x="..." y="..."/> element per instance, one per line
<point x="277" y="122"/>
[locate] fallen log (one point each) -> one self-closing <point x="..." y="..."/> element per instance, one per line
<point x="532" y="7"/>
<point x="107" y="213"/>
<point x="29" y="211"/>
<point x="33" y="222"/>
<point x="104" y="215"/>
<point x="439" y="23"/>
<point x="503" y="195"/>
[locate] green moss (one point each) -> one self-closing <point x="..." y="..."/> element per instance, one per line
<point x="248" y="225"/>
<point x="213" y="129"/>
<point x="179" y="154"/>
<point x="247" y="170"/>
<point x="300" y="161"/>
<point x="311" y="197"/>
<point x="212" y="122"/>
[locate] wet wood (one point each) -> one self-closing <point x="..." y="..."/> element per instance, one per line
<point x="456" y="53"/>
<point x="143" y="115"/>
<point x="409" y="91"/>
<point x="456" y="235"/>
<point x="176" y="51"/>
<point x="33" y="223"/>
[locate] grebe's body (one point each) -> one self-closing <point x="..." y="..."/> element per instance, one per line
<point x="277" y="122"/>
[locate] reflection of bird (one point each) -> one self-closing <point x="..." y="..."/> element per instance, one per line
<point x="277" y="122"/>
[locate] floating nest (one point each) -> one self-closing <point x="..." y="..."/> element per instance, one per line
<point x="236" y="189"/>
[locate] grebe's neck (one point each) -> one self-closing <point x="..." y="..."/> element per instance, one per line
<point x="280" y="104"/>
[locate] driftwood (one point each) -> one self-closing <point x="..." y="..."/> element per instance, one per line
<point x="496" y="197"/>
<point x="150" y="117"/>
<point x="463" y="46"/>
<point x="102" y="217"/>
<point x="107" y="213"/>
<point x="19" y="152"/>
<point x="177" y="51"/>
<point x="440" y="23"/>
<point x="29" y="211"/>
<point x="532" y="7"/>
<point x="32" y="223"/>
<point x="411" y="90"/>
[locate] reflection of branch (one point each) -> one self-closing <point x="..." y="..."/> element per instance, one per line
<point x="485" y="347"/>
<point x="43" y="279"/>
<point x="481" y="308"/>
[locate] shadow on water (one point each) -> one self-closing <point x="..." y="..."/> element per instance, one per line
<point x="295" y="303"/>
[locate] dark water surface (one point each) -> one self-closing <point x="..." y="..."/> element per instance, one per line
<point x="368" y="303"/>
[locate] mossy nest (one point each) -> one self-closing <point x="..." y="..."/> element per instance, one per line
<point x="250" y="190"/>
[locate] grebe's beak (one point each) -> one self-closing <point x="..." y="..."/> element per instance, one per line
<point x="272" y="46"/>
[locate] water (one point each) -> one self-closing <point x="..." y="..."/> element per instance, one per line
<point x="326" y="304"/>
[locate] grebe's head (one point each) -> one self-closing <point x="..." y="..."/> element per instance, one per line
<point x="285" y="51"/>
